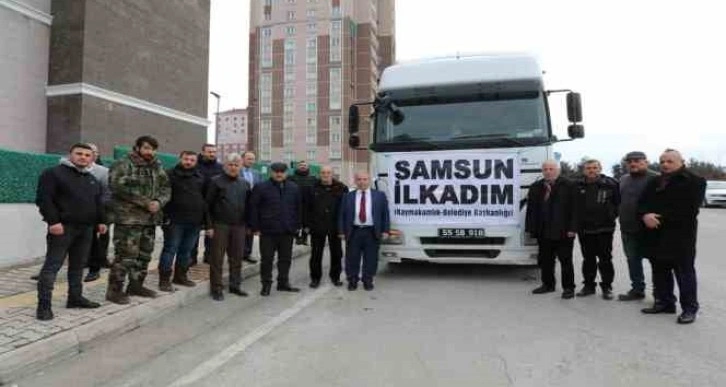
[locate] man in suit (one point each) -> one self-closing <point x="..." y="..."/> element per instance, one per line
<point x="669" y="209"/>
<point x="252" y="178"/>
<point x="363" y="223"/>
<point x="552" y="220"/>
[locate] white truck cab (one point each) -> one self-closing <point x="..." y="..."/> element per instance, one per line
<point x="456" y="143"/>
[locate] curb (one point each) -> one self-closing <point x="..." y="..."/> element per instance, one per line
<point x="64" y="345"/>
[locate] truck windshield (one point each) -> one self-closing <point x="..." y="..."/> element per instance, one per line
<point x="482" y="121"/>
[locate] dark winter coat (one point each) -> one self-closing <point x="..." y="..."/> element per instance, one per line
<point x="322" y="207"/>
<point x="304" y="180"/>
<point x="209" y="169"/>
<point x="228" y="200"/>
<point x="187" y="203"/>
<point x="68" y="195"/>
<point x="676" y="198"/>
<point x="597" y="204"/>
<point x="553" y="219"/>
<point x="276" y="208"/>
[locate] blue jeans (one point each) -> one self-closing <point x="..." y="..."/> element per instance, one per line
<point x="179" y="240"/>
<point x="633" y="245"/>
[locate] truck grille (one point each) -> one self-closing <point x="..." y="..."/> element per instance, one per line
<point x="452" y="253"/>
<point x="474" y="241"/>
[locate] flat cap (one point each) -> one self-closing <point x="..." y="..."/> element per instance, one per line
<point x="278" y="167"/>
<point x="636" y="155"/>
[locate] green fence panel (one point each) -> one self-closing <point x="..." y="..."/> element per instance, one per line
<point x="19" y="172"/>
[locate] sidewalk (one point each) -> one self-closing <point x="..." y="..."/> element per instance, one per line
<point x="27" y="344"/>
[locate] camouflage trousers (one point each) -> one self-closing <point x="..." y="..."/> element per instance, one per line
<point x="133" y="248"/>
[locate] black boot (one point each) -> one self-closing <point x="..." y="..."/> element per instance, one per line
<point x="92" y="275"/>
<point x="181" y="277"/>
<point x="543" y="289"/>
<point x="165" y="281"/>
<point x="285" y="287"/>
<point x="660" y="308"/>
<point x="81" y="303"/>
<point x="687" y="317"/>
<point x="44" y="311"/>
<point x="607" y="293"/>
<point x="115" y="291"/>
<point x="632" y="295"/>
<point x="265" y="290"/>
<point x="137" y="288"/>
<point x="238" y="291"/>
<point x="587" y="290"/>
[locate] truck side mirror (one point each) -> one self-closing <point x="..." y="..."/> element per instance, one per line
<point x="576" y="131"/>
<point x="353" y="118"/>
<point x="574" y="107"/>
<point x="396" y="115"/>
<point x="354" y="141"/>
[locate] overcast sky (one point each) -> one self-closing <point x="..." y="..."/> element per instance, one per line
<point x="651" y="74"/>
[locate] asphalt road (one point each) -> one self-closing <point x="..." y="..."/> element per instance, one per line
<point x="424" y="325"/>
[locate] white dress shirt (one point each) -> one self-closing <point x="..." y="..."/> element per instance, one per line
<point x="369" y="208"/>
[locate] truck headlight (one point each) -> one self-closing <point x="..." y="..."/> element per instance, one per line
<point x="395" y="237"/>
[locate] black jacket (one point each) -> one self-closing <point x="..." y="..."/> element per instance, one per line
<point x="553" y="219"/>
<point x="209" y="169"/>
<point x="676" y="198"/>
<point x="69" y="196"/>
<point x="322" y="206"/>
<point x="305" y="181"/>
<point x="276" y="209"/>
<point x="187" y="204"/>
<point x="597" y="204"/>
<point x="228" y="200"/>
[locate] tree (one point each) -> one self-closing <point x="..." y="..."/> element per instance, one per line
<point x="707" y="170"/>
<point x="568" y="170"/>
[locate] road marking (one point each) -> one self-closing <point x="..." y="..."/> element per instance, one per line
<point x="240" y="346"/>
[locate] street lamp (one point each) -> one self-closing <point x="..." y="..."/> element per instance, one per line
<point x="216" y="121"/>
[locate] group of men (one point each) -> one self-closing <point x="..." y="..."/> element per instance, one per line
<point x="229" y="202"/>
<point x="658" y="221"/>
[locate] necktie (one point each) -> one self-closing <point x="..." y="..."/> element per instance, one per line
<point x="548" y="190"/>
<point x="362" y="212"/>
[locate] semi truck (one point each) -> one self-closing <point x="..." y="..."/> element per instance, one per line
<point x="455" y="144"/>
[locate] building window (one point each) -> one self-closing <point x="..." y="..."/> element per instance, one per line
<point x="291" y="1"/>
<point x="266" y="48"/>
<point x="311" y="138"/>
<point x="335" y="123"/>
<point x="290" y="30"/>
<point x="335" y="154"/>
<point x="289" y="52"/>
<point x="312" y="28"/>
<point x="335" y="88"/>
<point x="311" y="89"/>
<point x="266" y="93"/>
<point x="312" y="155"/>
<point x="336" y="11"/>
<point x="311" y="72"/>
<point x="289" y="91"/>
<point x="310" y="13"/>
<point x="289" y="155"/>
<point x="311" y="107"/>
<point x="290" y="15"/>
<point x="311" y="52"/>
<point x="336" y="53"/>
<point x="287" y="137"/>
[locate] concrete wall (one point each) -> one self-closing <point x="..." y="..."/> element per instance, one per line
<point x="24" y="64"/>
<point x="22" y="239"/>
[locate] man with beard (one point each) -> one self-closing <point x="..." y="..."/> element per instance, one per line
<point x="669" y="208"/>
<point x="184" y="215"/>
<point x="322" y="205"/>
<point x="139" y="189"/>
<point x="70" y="200"/>
<point x="209" y="167"/>
<point x="305" y="181"/>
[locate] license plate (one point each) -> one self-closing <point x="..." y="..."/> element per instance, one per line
<point x="461" y="233"/>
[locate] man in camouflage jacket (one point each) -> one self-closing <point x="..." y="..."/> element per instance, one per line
<point x="140" y="189"/>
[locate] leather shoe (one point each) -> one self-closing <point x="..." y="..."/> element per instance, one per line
<point x="568" y="294"/>
<point x="368" y="287"/>
<point x="543" y="289"/>
<point x="249" y="260"/>
<point x="658" y="309"/>
<point x="265" y="290"/>
<point x="44" y="313"/>
<point x="236" y="290"/>
<point x="287" y="288"/>
<point x="352" y="286"/>
<point x="337" y="283"/>
<point x="314" y="284"/>
<point x="218" y="296"/>
<point x="586" y="291"/>
<point x="631" y="295"/>
<point x="92" y="276"/>
<point x="82" y="303"/>
<point x="687" y="318"/>
<point x="607" y="294"/>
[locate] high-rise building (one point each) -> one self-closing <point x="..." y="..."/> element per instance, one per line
<point x="309" y="60"/>
<point x="121" y="69"/>
<point x="231" y="132"/>
<point x="24" y="36"/>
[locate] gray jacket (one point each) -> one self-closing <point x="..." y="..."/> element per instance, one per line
<point x="101" y="174"/>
